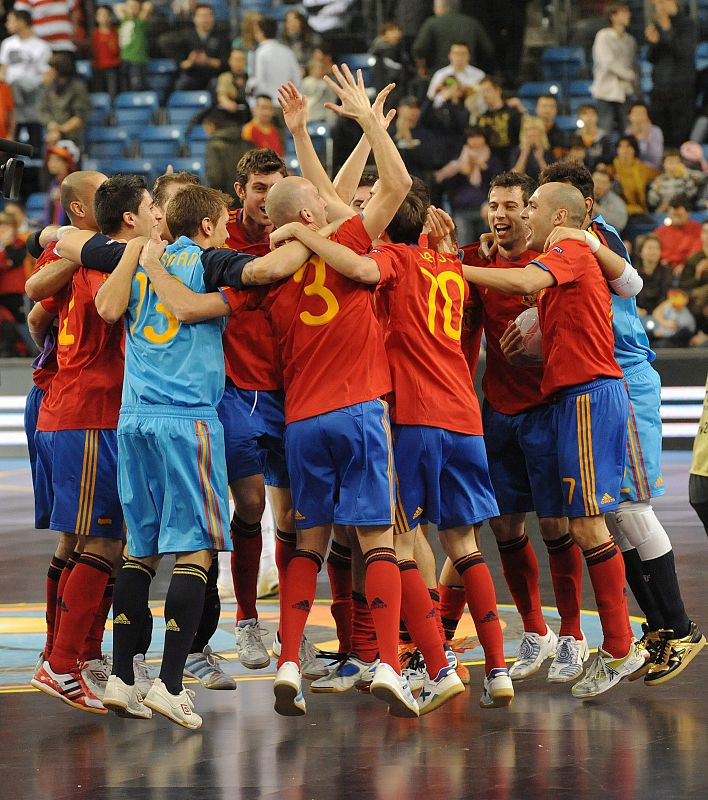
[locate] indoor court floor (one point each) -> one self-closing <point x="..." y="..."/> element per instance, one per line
<point x="633" y="742"/>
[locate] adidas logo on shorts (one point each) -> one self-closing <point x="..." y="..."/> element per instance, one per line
<point x="302" y="605"/>
<point x="299" y="516"/>
<point x="121" y="619"/>
<point x="607" y="498"/>
<point x="378" y="603"/>
<point x="418" y="512"/>
<point x="172" y="626"/>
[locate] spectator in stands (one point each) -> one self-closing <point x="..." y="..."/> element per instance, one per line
<point x="12" y="267"/>
<point x="671" y="324"/>
<point x="62" y="158"/>
<point x="274" y="63"/>
<point x="225" y="146"/>
<point x="576" y="149"/>
<point x="51" y="21"/>
<point x="656" y="274"/>
<point x="201" y="51"/>
<point x="632" y="175"/>
<point x="134" y="17"/>
<point x="261" y="131"/>
<point x="447" y="26"/>
<point x="500" y="122"/>
<point x="450" y="119"/>
<point x="393" y="64"/>
<point x="318" y="92"/>
<point x="466" y="182"/>
<point x="231" y="89"/>
<point x="608" y="204"/>
<point x="105" y="48"/>
<point x="694" y="277"/>
<point x="675" y="179"/>
<point x="459" y="68"/>
<point x="7" y="111"/>
<point x="672" y="38"/>
<point x="505" y="23"/>
<point x="24" y="58"/>
<point x="547" y="112"/>
<point x="246" y="40"/>
<point x="534" y="152"/>
<point x="16" y="210"/>
<point x="682" y="236"/>
<point x="614" y="55"/>
<point x="598" y="147"/>
<point x="299" y="37"/>
<point x="415" y="141"/>
<point x="650" y="137"/>
<point x="65" y="103"/>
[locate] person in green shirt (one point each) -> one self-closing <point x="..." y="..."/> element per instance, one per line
<point x="134" y="19"/>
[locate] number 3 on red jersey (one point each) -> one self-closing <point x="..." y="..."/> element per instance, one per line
<point x="318" y="289"/>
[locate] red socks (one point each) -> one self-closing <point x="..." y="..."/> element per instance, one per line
<point x="54" y="573"/>
<point x="364" y="644"/>
<point x="94" y="639"/>
<point x="71" y="562"/>
<point x="296" y="599"/>
<point x="482" y="602"/>
<point x="435" y="597"/>
<point x="339" y="570"/>
<point x="81" y="598"/>
<point x="452" y="606"/>
<point x="418" y="612"/>
<point x="606" y="569"/>
<point x="284" y="553"/>
<point x="383" y="593"/>
<point x="566" y="563"/>
<point x="245" y="561"/>
<point x="521" y="573"/>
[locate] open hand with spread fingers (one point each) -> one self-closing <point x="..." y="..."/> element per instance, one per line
<point x="352" y="93"/>
<point x="378" y="106"/>
<point x="294" y="107"/>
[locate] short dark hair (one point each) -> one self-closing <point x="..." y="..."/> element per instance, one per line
<point x="494" y="81"/>
<point x="63" y="63"/>
<point x="201" y="5"/>
<point x="20" y="14"/>
<point x="638" y="104"/>
<point x="476" y="132"/>
<point x="681" y="201"/>
<point x="268" y="26"/>
<point x="421" y="189"/>
<point x="547" y="97"/>
<point x="460" y="43"/>
<point x="120" y="194"/>
<point x="368" y="177"/>
<point x="671" y="151"/>
<point x="567" y="171"/>
<point x="168" y="179"/>
<point x="408" y="221"/>
<point x="261" y="160"/>
<point x="586" y="107"/>
<point x="187" y="209"/>
<point x="613" y="8"/>
<point x="410" y="100"/>
<point x="631" y="141"/>
<point x="510" y="180"/>
<point x="264" y="97"/>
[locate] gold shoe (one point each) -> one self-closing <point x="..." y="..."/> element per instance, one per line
<point x="675" y="655"/>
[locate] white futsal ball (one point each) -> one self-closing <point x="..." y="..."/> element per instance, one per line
<point x="527" y="323"/>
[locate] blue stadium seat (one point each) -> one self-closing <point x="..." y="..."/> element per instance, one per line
<point x="101" y="101"/>
<point x="159" y="150"/>
<point x="195" y="100"/>
<point x="562" y="63"/>
<point x="191" y="164"/>
<point x="90" y="164"/>
<point x="567" y="123"/>
<point x="182" y="116"/>
<point x="197" y="149"/>
<point x="107" y="134"/>
<point x="137" y="100"/>
<point x="363" y="61"/>
<point x="162" y="66"/>
<point x="96" y="117"/>
<point x="137" y="166"/>
<point x="162" y="133"/>
<point x="35" y="205"/>
<point x="574" y="103"/>
<point x="533" y="89"/>
<point x="138" y="117"/>
<point x="107" y="149"/>
<point x="198" y="134"/>
<point x="83" y="69"/>
<point x="579" y="88"/>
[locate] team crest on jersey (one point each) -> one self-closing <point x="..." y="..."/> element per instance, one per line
<point x="557" y="249"/>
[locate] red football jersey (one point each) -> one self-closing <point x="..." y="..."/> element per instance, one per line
<point x="508" y="389"/>
<point x="576" y="319"/>
<point x="432" y="384"/>
<point x="327" y="334"/>
<point x="86" y="390"/>
<point x="249" y="345"/>
<point x="46" y="368"/>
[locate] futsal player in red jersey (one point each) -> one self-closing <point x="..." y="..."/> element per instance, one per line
<point x="80" y="415"/>
<point x="337" y="428"/>
<point x="581" y="380"/>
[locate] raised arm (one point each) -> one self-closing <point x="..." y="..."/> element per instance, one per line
<point x="114" y="295"/>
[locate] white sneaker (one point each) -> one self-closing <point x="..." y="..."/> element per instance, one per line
<point x="314" y="663"/>
<point x="412" y="666"/>
<point x="226" y="592"/>
<point x="498" y="690"/>
<point x="176" y="707"/>
<point x="141" y="673"/>
<point x="605" y="671"/>
<point x="437" y="691"/>
<point x="205" y="668"/>
<point x="533" y="651"/>
<point x="249" y="644"/>
<point x="348" y="673"/>
<point x="125" y="700"/>
<point x="70" y="687"/>
<point x="393" y="689"/>
<point x="268" y="585"/>
<point x="288" y="691"/>
<point x="568" y="663"/>
<point x="95" y="673"/>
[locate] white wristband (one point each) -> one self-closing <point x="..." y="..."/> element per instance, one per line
<point x="592" y="242"/>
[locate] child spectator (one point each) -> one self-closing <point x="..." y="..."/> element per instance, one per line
<point x="608" y="204"/>
<point x="682" y="236"/>
<point x="106" y="53"/>
<point x="632" y="175"/>
<point x="16" y="210"/>
<point x="656" y="274"/>
<point x="317" y="92"/>
<point x="675" y="179"/>
<point x="62" y="159"/>
<point x="261" y="131"/>
<point x="231" y="89"/>
<point x="534" y="151"/>
<point x="12" y="267"/>
<point x="576" y="149"/>
<point x="694" y="278"/>
<point x="133" y="37"/>
<point x="671" y="324"/>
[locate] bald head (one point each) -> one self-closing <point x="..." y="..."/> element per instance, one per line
<point x="550" y="206"/>
<point x="295" y="199"/>
<point x="77" y="193"/>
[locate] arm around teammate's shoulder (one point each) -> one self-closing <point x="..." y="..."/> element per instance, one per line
<point x="114" y="295"/>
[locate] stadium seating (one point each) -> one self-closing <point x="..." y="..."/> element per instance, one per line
<point x="195" y="100"/>
<point x="161" y="142"/>
<point x="562" y="63"/>
<point x="533" y="89"/>
<point x="101" y="101"/>
<point x="137" y="100"/>
<point x="567" y="123"/>
<point x="35" y="205"/>
<point x="191" y="164"/>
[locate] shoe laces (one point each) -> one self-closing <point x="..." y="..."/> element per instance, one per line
<point x="253" y="633"/>
<point x="529" y="648"/>
<point x="212" y="658"/>
<point x="141" y="668"/>
<point x="189" y="693"/>
<point x="308" y="652"/>
<point x="663" y="648"/>
<point x="567" y="650"/>
<point x="412" y="660"/>
<point x="598" y="670"/>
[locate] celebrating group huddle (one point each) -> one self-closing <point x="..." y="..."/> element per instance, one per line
<point x="342" y="379"/>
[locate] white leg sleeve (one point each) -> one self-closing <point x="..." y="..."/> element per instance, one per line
<point x="224" y="577"/>
<point x="268" y="531"/>
<point x="617" y="535"/>
<point x="640" y="526"/>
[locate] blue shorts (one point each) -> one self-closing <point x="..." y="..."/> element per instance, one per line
<point x="590" y="427"/>
<point x="77" y="480"/>
<point x="341" y="467"/>
<point x="523" y="461"/>
<point x="642" y="467"/>
<point x="270" y="415"/>
<point x="442" y="477"/>
<point x="244" y="457"/>
<point x="42" y="511"/>
<point x="172" y="480"/>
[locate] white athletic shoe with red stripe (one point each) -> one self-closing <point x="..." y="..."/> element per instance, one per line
<point x="69" y="687"/>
